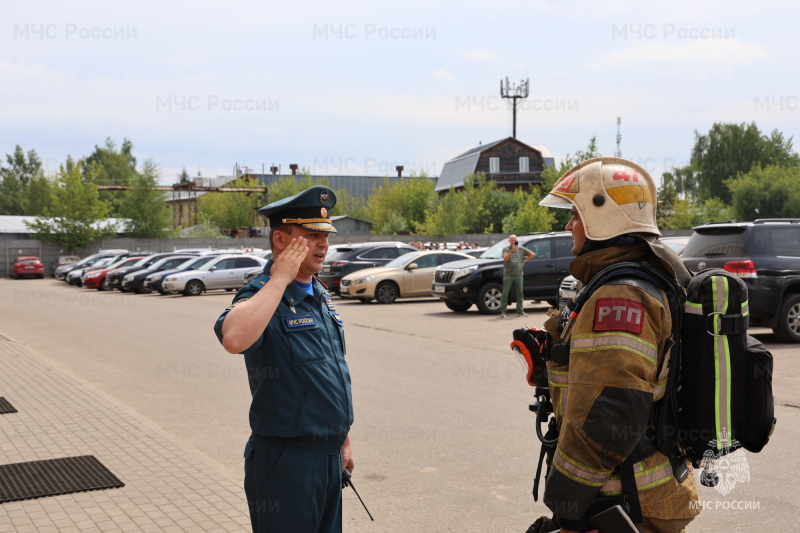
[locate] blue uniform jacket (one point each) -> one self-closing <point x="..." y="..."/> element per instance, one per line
<point x="299" y="379"/>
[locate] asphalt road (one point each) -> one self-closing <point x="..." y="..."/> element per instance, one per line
<point x="443" y="438"/>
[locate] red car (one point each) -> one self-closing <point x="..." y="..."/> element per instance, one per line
<point x="27" y="265"/>
<point x="96" y="279"/>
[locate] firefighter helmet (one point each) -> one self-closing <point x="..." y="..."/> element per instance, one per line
<point x="613" y="197"/>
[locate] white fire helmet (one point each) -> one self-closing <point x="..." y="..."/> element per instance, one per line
<point x="613" y="197"/>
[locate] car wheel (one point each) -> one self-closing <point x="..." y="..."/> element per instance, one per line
<point x="788" y="328"/>
<point x="103" y="285"/>
<point x="458" y="308"/>
<point x="489" y="298"/>
<point x="386" y="292"/>
<point x="193" y="288"/>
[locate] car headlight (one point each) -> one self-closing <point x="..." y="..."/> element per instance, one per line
<point x="365" y="279"/>
<point x="466" y="271"/>
<point x="127" y="278"/>
<point x="171" y="278"/>
<point x="155" y="278"/>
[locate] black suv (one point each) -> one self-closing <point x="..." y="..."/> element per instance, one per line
<point x="347" y="258"/>
<point x="766" y="255"/>
<point x="480" y="281"/>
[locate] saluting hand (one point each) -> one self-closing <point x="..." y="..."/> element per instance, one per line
<point x="287" y="263"/>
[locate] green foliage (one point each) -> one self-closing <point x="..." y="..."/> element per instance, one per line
<point x="530" y="217"/>
<point x="75" y="215"/>
<point x="16" y="179"/>
<point x="410" y="198"/>
<point x="144" y="206"/>
<point x="686" y="214"/>
<point x="205" y="229"/>
<point x="766" y="192"/>
<point x="448" y="218"/>
<point x="183" y="177"/>
<point x="114" y="167"/>
<point x="732" y="149"/>
<point x="394" y="225"/>
<point x="232" y="209"/>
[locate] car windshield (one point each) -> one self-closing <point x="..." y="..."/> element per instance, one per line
<point x="338" y="255"/>
<point x="496" y="251"/>
<point x="160" y="262"/>
<point x="402" y="260"/>
<point x="29" y="260"/>
<point x="195" y="262"/>
<point x="104" y="262"/>
<point x="140" y="262"/>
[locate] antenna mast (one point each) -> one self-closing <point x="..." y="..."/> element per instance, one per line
<point x="618" y="153"/>
<point x="514" y="92"/>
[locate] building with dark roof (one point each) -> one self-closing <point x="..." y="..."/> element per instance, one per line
<point x="508" y="162"/>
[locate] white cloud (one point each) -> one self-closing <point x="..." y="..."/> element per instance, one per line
<point x="700" y="56"/>
<point x="444" y="74"/>
<point x="479" y="55"/>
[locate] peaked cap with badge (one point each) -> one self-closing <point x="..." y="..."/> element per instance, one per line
<point x="308" y="209"/>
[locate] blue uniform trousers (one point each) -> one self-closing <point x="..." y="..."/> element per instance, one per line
<point x="292" y="490"/>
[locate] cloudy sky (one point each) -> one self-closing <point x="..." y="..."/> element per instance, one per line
<point x="358" y="87"/>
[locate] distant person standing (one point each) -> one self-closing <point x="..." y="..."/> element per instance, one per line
<point x="513" y="260"/>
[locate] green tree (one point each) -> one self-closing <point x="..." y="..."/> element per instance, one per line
<point x="530" y="217"/>
<point x="411" y="198"/>
<point x="766" y="192"/>
<point x="448" y="218"/>
<point x="38" y="195"/>
<point x="144" y="206"/>
<point x="204" y="230"/>
<point x="232" y="209"/>
<point x="15" y="181"/>
<point x="114" y="167"/>
<point x="728" y="150"/>
<point x="686" y="214"/>
<point x="183" y="177"/>
<point x="77" y="216"/>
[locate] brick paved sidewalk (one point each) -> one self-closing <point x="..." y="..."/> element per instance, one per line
<point x="169" y="486"/>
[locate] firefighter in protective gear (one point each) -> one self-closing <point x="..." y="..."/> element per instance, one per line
<point x="603" y="392"/>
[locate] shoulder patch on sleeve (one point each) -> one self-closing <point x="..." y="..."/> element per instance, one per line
<point x="618" y="314"/>
<point x="237" y="302"/>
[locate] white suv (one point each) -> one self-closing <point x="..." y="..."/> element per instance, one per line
<point x="224" y="272"/>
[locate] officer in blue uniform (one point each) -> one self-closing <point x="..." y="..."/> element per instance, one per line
<point x="292" y="338"/>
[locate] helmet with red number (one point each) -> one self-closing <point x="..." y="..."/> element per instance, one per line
<point x="613" y="197"/>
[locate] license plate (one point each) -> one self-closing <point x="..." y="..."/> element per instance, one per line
<point x="28" y="267"/>
<point x="438" y="288"/>
<point x="326" y="269"/>
<point x="344" y="290"/>
<point x="568" y="294"/>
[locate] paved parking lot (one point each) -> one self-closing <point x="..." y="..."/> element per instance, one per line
<point x="443" y="440"/>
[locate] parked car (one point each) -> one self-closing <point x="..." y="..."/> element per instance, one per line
<point x="115" y="278"/>
<point x="155" y="280"/>
<point x="98" y="278"/>
<point x="480" y="281"/>
<point x="348" y="258"/>
<point x="134" y="281"/>
<point x="75" y="276"/>
<point x="26" y="266"/>
<point x="765" y="253"/>
<point x="678" y="244"/>
<point x="64" y="260"/>
<point x="224" y="272"/>
<point x="409" y="275"/>
<point x="474" y="252"/>
<point x="62" y="271"/>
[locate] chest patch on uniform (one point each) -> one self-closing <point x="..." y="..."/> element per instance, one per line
<point x="300" y="321"/>
<point x="618" y="314"/>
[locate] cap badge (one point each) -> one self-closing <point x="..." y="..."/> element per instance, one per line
<point x="324" y="197"/>
<point x="323" y="213"/>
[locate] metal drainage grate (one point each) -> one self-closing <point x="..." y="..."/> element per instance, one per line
<point x="6" y="407"/>
<point x="36" y="479"/>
